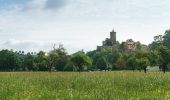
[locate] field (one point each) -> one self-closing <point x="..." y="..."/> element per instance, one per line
<point x="119" y="85"/>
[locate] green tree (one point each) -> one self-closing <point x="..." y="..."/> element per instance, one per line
<point x="41" y="61"/>
<point x="144" y="63"/>
<point x="81" y="60"/>
<point x="102" y="63"/>
<point x="158" y="40"/>
<point x="153" y="57"/>
<point x="122" y="47"/>
<point x="131" y="62"/>
<point x="164" y="53"/>
<point x="138" y="45"/>
<point x="108" y="42"/>
<point x="29" y="62"/>
<point x="8" y="60"/>
<point x="70" y="67"/>
<point x="166" y="38"/>
<point x="121" y="63"/>
<point x="57" y="58"/>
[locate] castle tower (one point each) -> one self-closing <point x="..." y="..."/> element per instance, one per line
<point x="113" y="36"/>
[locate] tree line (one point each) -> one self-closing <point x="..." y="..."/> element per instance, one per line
<point x="158" y="54"/>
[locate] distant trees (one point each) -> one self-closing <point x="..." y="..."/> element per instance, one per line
<point x="8" y="60"/>
<point x="58" y="59"/>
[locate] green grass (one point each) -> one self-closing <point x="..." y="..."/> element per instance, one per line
<point x="119" y="85"/>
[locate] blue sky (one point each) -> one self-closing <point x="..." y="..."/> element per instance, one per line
<point x="34" y="25"/>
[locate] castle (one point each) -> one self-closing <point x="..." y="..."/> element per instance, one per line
<point x="111" y="43"/>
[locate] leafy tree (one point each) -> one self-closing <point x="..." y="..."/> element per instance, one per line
<point x="80" y="60"/>
<point x="120" y="63"/>
<point x="138" y="45"/>
<point x="143" y="63"/>
<point x="153" y="57"/>
<point x="158" y="40"/>
<point x="41" y="61"/>
<point x="164" y="53"/>
<point x="57" y="58"/>
<point x="29" y="62"/>
<point x="122" y="47"/>
<point x="131" y="62"/>
<point x="70" y="67"/>
<point x="8" y="60"/>
<point x="108" y="42"/>
<point x="102" y="63"/>
<point x="166" y="38"/>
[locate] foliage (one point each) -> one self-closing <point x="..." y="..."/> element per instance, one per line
<point x="58" y="59"/>
<point x="80" y="60"/>
<point x="108" y="42"/>
<point x="166" y="38"/>
<point x="131" y="62"/>
<point x="102" y="64"/>
<point x="8" y="60"/>
<point x="164" y="53"/>
<point x="153" y="57"/>
<point x="41" y="61"/>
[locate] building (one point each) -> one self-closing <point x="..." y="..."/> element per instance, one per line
<point x="128" y="46"/>
<point x="109" y="43"/>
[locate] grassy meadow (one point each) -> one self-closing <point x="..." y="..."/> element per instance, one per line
<point x="118" y="85"/>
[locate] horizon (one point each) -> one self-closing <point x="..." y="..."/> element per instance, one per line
<point x="36" y="25"/>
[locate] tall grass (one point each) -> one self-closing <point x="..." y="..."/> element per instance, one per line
<point x="119" y="85"/>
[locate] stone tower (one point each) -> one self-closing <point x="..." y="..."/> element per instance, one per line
<point x="113" y="37"/>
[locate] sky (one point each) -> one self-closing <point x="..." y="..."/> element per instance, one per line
<point x="34" y="25"/>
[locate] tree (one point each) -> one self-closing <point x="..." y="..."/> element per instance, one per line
<point x="81" y="60"/>
<point x="8" y="60"/>
<point x="108" y="42"/>
<point x="29" y="62"/>
<point x="166" y="38"/>
<point x="153" y="57"/>
<point x="120" y="63"/>
<point x="57" y="58"/>
<point x="122" y="47"/>
<point x="158" y="40"/>
<point x="138" y="45"/>
<point x="102" y="64"/>
<point x="144" y="63"/>
<point x="131" y="62"/>
<point x="41" y="61"/>
<point x="70" y="67"/>
<point x="164" y="53"/>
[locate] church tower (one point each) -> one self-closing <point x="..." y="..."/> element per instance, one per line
<point x="113" y="37"/>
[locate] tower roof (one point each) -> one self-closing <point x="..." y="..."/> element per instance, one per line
<point x="113" y="30"/>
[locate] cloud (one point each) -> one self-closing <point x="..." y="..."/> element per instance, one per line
<point x="26" y="45"/>
<point x="43" y="5"/>
<point x="37" y="45"/>
<point x="54" y="4"/>
<point x="79" y="24"/>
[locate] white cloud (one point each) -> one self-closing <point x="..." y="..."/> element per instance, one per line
<point x="81" y="24"/>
